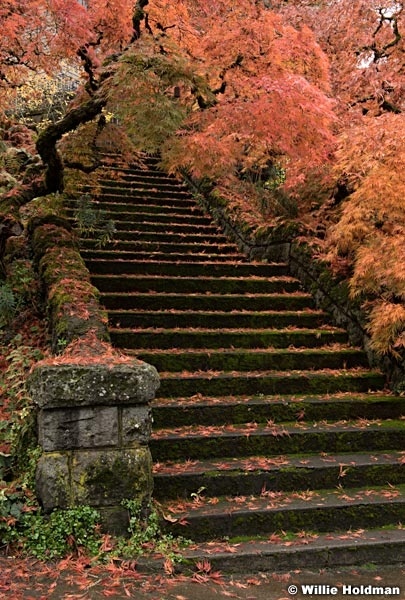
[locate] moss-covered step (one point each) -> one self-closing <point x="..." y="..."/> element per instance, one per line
<point x="152" y="177"/>
<point x="161" y="257"/>
<point x="323" y="511"/>
<point x="221" y="302"/>
<point x="144" y="215"/>
<point x="255" y="439"/>
<point x="150" y="246"/>
<point x="186" y="269"/>
<point x="269" y="382"/>
<point x="158" y="227"/>
<point x="179" y="238"/>
<point x="305" y="550"/>
<point x="255" y="475"/>
<point x="169" y="218"/>
<point x="127" y="171"/>
<point x="225" y="338"/>
<point x="223" y="410"/>
<point x="310" y="319"/>
<point x="112" y="197"/>
<point x="192" y="285"/>
<point x="145" y="185"/>
<point x="130" y="208"/>
<point x="250" y="359"/>
<point x="147" y="192"/>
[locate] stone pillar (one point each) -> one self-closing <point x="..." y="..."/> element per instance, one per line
<point x="94" y="425"/>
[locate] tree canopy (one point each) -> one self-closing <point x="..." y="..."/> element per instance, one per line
<point x="268" y="98"/>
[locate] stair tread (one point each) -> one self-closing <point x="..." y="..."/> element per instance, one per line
<point x="274" y="463"/>
<point x="202" y="400"/>
<point x="277" y="501"/>
<point x="336" y="348"/>
<point x="274" y="429"/>
<point x="285" y="552"/>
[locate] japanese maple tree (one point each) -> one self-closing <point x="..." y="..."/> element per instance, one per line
<point x="255" y="96"/>
<point x="364" y="41"/>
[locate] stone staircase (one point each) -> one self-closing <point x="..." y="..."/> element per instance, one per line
<point x="275" y="445"/>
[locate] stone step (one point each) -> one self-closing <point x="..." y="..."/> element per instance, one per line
<point x="145" y="176"/>
<point x="186" y="269"/>
<point x="309" y="319"/>
<point x="200" y="302"/>
<point x="269" y="382"/>
<point x="286" y="552"/>
<point x="114" y="209"/>
<point x="158" y="227"/>
<point x="237" y="410"/>
<point x="253" y="475"/>
<point x="198" y="240"/>
<point x="204" y="442"/>
<point x="158" y="246"/>
<point x="136" y="183"/>
<point x="143" y="215"/>
<point x="113" y="197"/>
<point x="125" y="190"/>
<point x="250" y="359"/>
<point x="323" y="511"/>
<point x="225" y="338"/>
<point x="161" y="257"/>
<point x="195" y="285"/>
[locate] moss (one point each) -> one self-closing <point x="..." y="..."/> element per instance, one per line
<point x="50" y="235"/>
<point x="105" y="478"/>
<point x="44" y="207"/>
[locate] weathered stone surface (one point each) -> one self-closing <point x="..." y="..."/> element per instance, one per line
<point x="68" y="428"/>
<point x="57" y="386"/>
<point x="52" y="481"/>
<point x="136" y="424"/>
<point x="105" y="478"/>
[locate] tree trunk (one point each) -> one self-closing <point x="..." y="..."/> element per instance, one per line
<point x="47" y="140"/>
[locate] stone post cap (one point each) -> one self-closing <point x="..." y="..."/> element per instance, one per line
<point x="63" y="385"/>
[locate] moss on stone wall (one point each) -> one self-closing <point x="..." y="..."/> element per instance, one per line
<point x="72" y="301"/>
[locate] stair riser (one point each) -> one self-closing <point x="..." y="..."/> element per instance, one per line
<point x="117" y="208"/>
<point x="312" y="519"/>
<point x="134" y="183"/>
<point x="199" y="303"/>
<point x="287" y="479"/>
<point x="278" y="412"/>
<point x="156" y="226"/>
<point x="220" y="320"/>
<point x="156" y="256"/>
<point x="128" y="192"/>
<point x="198" y="240"/>
<point x="174" y="269"/>
<point x="225" y="339"/>
<point x="112" y="197"/>
<point x="193" y="285"/>
<point x="147" y="217"/>
<point x="148" y="246"/>
<point x="173" y="388"/>
<point x="204" y="447"/>
<point x="134" y="171"/>
<point x="253" y="361"/>
<point x="274" y="558"/>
